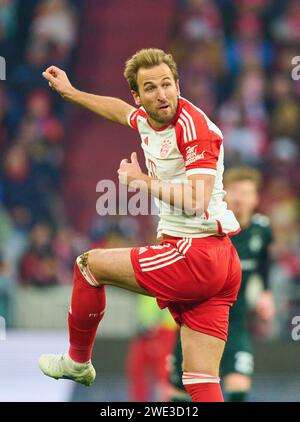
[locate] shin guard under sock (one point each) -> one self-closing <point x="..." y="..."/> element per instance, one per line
<point x="86" y="311"/>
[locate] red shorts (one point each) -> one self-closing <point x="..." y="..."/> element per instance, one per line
<point x="197" y="279"/>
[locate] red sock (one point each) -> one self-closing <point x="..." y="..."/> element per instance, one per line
<point x="86" y="312"/>
<point x="202" y="387"/>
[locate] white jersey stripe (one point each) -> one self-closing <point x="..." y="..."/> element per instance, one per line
<point x="166" y="258"/>
<point x="183" y="245"/>
<point x="194" y="134"/>
<point x="210" y="124"/>
<point x="193" y="125"/>
<point x="184" y="130"/>
<point x="180" y="241"/>
<point x="187" y="124"/>
<point x="163" y="265"/>
<point x="156" y="256"/>
<point x="187" y="247"/>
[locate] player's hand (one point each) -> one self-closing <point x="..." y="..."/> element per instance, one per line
<point x="130" y="172"/>
<point x="265" y="307"/>
<point x="59" y="81"/>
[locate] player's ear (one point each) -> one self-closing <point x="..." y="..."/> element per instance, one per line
<point x="136" y="98"/>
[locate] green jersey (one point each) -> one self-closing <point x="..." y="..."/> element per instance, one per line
<point x="252" y="245"/>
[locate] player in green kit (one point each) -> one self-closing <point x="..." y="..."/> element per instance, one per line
<point x="242" y="185"/>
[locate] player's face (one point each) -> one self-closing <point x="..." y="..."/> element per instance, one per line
<point x="158" y="94"/>
<point x="242" y="197"/>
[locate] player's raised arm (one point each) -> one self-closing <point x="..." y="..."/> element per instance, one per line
<point x="109" y="108"/>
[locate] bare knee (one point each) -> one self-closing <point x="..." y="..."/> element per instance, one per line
<point x="111" y="267"/>
<point x="95" y="262"/>
<point x="237" y="382"/>
<point x="91" y="263"/>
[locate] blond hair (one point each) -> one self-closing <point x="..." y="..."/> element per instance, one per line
<point x="239" y="174"/>
<point x="146" y="58"/>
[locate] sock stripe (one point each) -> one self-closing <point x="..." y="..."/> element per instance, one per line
<point x="193" y="374"/>
<point x="193" y="378"/>
<point x="200" y="381"/>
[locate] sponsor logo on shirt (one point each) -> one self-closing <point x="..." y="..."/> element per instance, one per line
<point x="192" y="155"/>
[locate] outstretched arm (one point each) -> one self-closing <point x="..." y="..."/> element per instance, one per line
<point x="109" y="108"/>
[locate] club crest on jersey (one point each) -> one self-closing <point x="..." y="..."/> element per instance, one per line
<point x="192" y="155"/>
<point x="165" y="148"/>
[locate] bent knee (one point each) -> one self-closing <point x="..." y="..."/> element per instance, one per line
<point x="91" y="261"/>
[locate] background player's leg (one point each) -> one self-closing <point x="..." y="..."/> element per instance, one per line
<point x="177" y="391"/>
<point x="237" y="387"/>
<point x="237" y="362"/>
<point x="137" y="370"/>
<point x="201" y="361"/>
<point x="161" y="346"/>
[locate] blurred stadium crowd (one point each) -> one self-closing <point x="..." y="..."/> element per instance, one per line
<point x="234" y="59"/>
<point x="34" y="248"/>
